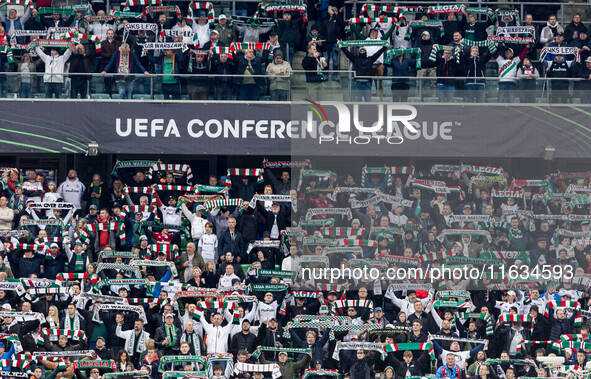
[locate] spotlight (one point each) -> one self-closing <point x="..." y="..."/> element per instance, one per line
<point x="93" y="149"/>
<point x="549" y="153"/>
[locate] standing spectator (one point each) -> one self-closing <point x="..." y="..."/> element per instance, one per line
<point x="108" y="48"/>
<point x="96" y="193"/>
<point x="362" y="65"/>
<point x="169" y="64"/>
<point x="584" y="86"/>
<point x="558" y="42"/>
<point x="6" y="214"/>
<point x="54" y="70"/>
<point x="527" y="75"/>
<point x="249" y="65"/>
<point x="447" y="66"/>
<point x="56" y="20"/>
<point x="573" y="29"/>
<point x="451" y="26"/>
<point x="201" y="28"/>
<point x="26" y="67"/>
<point x="333" y="28"/>
<point x="222" y="67"/>
<point x="280" y="71"/>
<point x="475" y="67"/>
<point x="559" y="69"/>
<point x="476" y="30"/>
<point x="124" y="62"/>
<point x="428" y="68"/>
<point x="378" y="65"/>
<point x="314" y="65"/>
<point x="401" y="65"/>
<point x="72" y="189"/>
<point x="550" y="31"/>
<point x="101" y="28"/>
<point x="231" y="241"/>
<point x="226" y="32"/>
<point x="508" y="74"/>
<point x="79" y="64"/>
<point x="198" y="86"/>
<point x="584" y="45"/>
<point x="288" y="29"/>
<point x="13" y="22"/>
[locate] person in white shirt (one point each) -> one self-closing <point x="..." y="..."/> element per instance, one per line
<point x="182" y="29"/>
<point x="510" y="302"/>
<point x="216" y="335"/>
<point x="72" y="189"/>
<point x="100" y="28"/>
<point x="268" y="308"/>
<point x="397" y="217"/>
<point x="228" y="278"/>
<point x="201" y="27"/>
<point x="54" y="70"/>
<point x="197" y="222"/>
<point x="208" y="244"/>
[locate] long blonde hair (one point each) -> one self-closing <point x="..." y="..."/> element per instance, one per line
<point x="56" y="315"/>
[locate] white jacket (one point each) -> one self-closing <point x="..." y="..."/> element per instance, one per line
<point x="197" y="223"/>
<point x="54" y="66"/>
<point x="217" y="336"/>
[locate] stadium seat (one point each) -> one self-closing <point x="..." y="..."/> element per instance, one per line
<point x="142" y="97"/>
<point x="100" y="96"/>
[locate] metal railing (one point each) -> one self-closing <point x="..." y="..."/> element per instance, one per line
<point x="300" y="85"/>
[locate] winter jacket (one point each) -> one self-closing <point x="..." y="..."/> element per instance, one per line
<point x="550" y="31"/>
<point x="475" y="67"/>
<point x="54" y="65"/>
<point x="571" y="28"/>
<point x="362" y="65"/>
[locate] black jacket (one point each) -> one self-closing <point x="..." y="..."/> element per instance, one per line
<point x="310" y="64"/>
<point x="362" y="65"/>
<point x="475" y="67"/>
<point x="243" y="341"/>
<point x="256" y="67"/>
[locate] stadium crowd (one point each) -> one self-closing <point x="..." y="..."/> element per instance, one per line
<point x="250" y="55"/>
<point x="145" y="274"/>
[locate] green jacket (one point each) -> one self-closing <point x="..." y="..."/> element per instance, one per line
<point x="289" y="370"/>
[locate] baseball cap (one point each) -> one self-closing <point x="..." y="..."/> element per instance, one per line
<point x="215" y="31"/>
<point x="7" y="307"/>
<point x="143" y="238"/>
<point x="169" y="315"/>
<point x="222" y="17"/>
<point x="282" y="352"/>
<point x="378" y="309"/>
<point x="588" y="59"/>
<point x="2" y="344"/>
<point x="511" y="293"/>
<point x="92" y="206"/>
<point x="54" y="245"/>
<point x="101" y="338"/>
